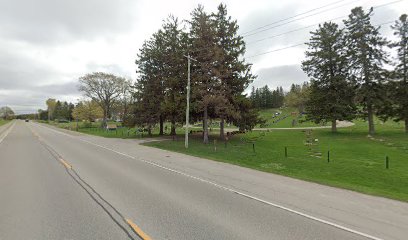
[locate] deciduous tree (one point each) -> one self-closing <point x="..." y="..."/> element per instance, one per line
<point x="103" y="88"/>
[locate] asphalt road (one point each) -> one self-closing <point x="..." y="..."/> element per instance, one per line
<point x="59" y="185"/>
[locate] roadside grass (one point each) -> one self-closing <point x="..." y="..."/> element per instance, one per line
<point x="357" y="161"/>
<point x="94" y="128"/>
<point x="2" y="121"/>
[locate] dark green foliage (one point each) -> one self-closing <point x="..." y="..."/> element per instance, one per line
<point x="331" y="94"/>
<point x="219" y="74"/>
<point x="265" y="98"/>
<point x="42" y="114"/>
<point x="205" y="75"/>
<point x="174" y="68"/>
<point x="398" y="88"/>
<point x="366" y="57"/>
<point x="63" y="111"/>
<point x="249" y="116"/>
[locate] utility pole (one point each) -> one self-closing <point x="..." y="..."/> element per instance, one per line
<point x="188" y="100"/>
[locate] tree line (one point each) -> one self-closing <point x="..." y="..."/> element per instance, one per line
<point x="219" y="74"/>
<point x="349" y="75"/>
<point x="265" y="98"/>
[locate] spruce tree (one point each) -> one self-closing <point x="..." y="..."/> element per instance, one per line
<point x="205" y="76"/>
<point x="174" y="74"/>
<point x="331" y="95"/>
<point x="234" y="73"/>
<point x="149" y="88"/>
<point x="399" y="88"/>
<point x="366" y="57"/>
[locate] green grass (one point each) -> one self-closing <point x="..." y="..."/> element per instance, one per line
<point x="121" y="132"/>
<point x="2" y="121"/>
<point x="357" y="162"/>
<point x="271" y="121"/>
<point x="291" y="113"/>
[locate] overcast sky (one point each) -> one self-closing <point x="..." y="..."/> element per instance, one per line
<point x="46" y="45"/>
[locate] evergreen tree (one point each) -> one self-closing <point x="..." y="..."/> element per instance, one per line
<point x="206" y="84"/>
<point x="366" y="57"/>
<point x="149" y="88"/>
<point x="174" y="72"/>
<point x="265" y="98"/>
<point x="331" y="95"/>
<point x="234" y="73"/>
<point x="397" y="90"/>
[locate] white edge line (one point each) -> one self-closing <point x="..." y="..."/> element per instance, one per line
<point x="7" y="132"/>
<point x="228" y="189"/>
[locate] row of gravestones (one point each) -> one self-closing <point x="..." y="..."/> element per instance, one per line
<point x="312" y="144"/>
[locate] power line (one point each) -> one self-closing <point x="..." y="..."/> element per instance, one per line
<point x="276" y="50"/>
<point x="302" y="28"/>
<point x="297" y="15"/>
<point x="291" y="31"/>
<point x="298" y="29"/>
<point x="271" y="26"/>
<point x="275" y="26"/>
<point x="300" y="44"/>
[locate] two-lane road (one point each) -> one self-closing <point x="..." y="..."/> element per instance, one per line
<point x="43" y="198"/>
<point x="39" y="200"/>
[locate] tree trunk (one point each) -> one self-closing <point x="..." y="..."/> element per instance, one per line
<point x="222" y="135"/>
<point x="105" y="118"/>
<point x="370" y="113"/>
<point x="173" y="128"/>
<point x="334" y="126"/>
<point x="205" y="125"/>
<point x="406" y="125"/>
<point x="161" y="125"/>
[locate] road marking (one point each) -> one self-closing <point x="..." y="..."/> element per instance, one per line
<point x="7" y="132"/>
<point x="137" y="230"/>
<point x="227" y="189"/>
<point x="65" y="163"/>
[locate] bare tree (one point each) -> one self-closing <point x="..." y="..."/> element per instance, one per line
<point x="104" y="88"/>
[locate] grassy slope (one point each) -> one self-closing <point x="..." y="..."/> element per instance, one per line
<point x="356" y="161"/>
<point x="271" y="121"/>
<point x="268" y="114"/>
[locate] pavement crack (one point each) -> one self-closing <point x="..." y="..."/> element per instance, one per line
<point x="107" y="207"/>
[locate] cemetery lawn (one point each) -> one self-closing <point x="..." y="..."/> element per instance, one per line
<point x="357" y="161"/>
<point x="284" y="119"/>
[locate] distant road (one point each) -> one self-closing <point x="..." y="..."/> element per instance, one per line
<point x="57" y="184"/>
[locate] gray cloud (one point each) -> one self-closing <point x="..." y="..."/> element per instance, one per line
<point x="46" y="28"/>
<point x="56" y="21"/>
<point x="283" y="76"/>
<point x="19" y="71"/>
<point x="257" y="43"/>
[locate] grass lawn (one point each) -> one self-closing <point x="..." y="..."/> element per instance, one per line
<point x="357" y="161"/>
<point x="2" y="122"/>
<point x="121" y="132"/>
<point x="272" y="120"/>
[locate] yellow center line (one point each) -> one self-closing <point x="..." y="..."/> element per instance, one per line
<point x="137" y="230"/>
<point x="65" y="163"/>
